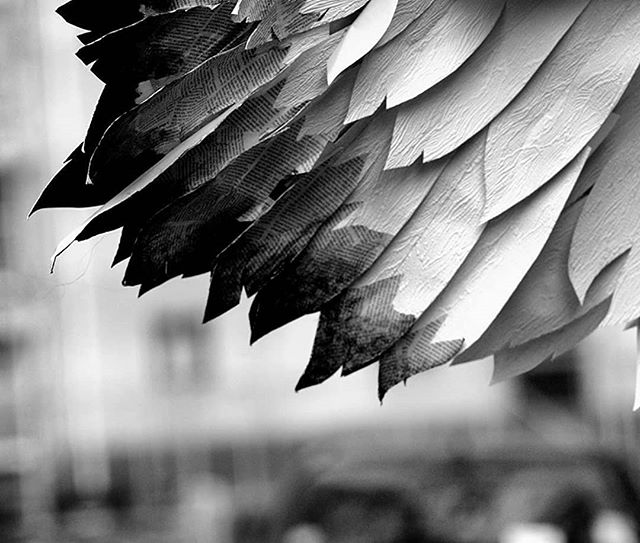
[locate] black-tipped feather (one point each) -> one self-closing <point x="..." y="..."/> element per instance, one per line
<point x="414" y="170"/>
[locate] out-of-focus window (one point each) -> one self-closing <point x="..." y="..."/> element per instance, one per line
<point x="180" y="361"/>
<point x="8" y="424"/>
<point x="4" y="230"/>
<point x="18" y="43"/>
<point x="556" y="382"/>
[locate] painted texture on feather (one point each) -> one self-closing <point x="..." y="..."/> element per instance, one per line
<point x="135" y="62"/>
<point x="487" y="278"/>
<point x="382" y="305"/>
<point x="159" y="47"/>
<point x="564" y="105"/>
<point x="169" y="243"/>
<point x="345" y="247"/>
<point x="103" y="17"/>
<point x="306" y="79"/>
<point x="251" y="10"/>
<point x="406" y="12"/>
<point x="300" y="207"/>
<point x="327" y="113"/>
<point x="440" y="120"/>
<point x="406" y="167"/>
<point x="333" y="9"/>
<point x="362" y="36"/>
<point x="321" y="201"/>
<point x="281" y="20"/>
<point x="243" y="129"/>
<point x="545" y="300"/>
<point x="523" y="358"/>
<point x="280" y="234"/>
<point x="429" y="49"/>
<point x="415" y="354"/>
<point x="139" y="138"/>
<point x="610" y="224"/>
<point x="140" y="182"/>
<point x="508" y="248"/>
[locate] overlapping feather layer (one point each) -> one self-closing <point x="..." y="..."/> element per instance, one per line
<point x="441" y="179"/>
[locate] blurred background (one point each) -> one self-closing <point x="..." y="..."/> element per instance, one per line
<point x="126" y="420"/>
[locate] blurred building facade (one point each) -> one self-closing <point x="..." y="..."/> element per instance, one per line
<point x="133" y="402"/>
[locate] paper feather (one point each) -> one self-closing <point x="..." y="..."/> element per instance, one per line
<point x="442" y="180"/>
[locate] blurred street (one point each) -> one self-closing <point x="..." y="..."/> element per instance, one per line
<point x="127" y="420"/>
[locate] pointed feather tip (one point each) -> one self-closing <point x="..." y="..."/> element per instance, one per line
<point x="73" y="12"/>
<point x="253" y="338"/>
<point x="381" y="396"/>
<point x="363" y="34"/>
<point x="65" y="9"/>
<point x="259" y="324"/>
<point x="131" y="276"/>
<point x="52" y="264"/>
<point x="217" y="306"/>
<point x="266" y="317"/>
<point x="495" y="207"/>
<point x="580" y="281"/>
<point x="311" y="378"/>
<point x="383" y="391"/>
<point x="332" y="73"/>
<point x="498" y="377"/>
<point x="37" y="206"/>
<point x="144" y="284"/>
<point x="64" y="176"/>
<point x="43" y="200"/>
<point x="306" y="381"/>
<point x="583" y="283"/>
<point x="146" y="287"/>
<point x="118" y="258"/>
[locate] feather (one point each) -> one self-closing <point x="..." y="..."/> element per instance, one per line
<point x="442" y="180"/>
<point x="609" y="225"/>
<point x="406" y="12"/>
<point x="439" y="121"/>
<point x="415" y="355"/>
<point x="522" y="358"/>
<point x="559" y="112"/>
<point x="214" y="214"/>
<point x="253" y="122"/>
<point x="544" y="301"/>
<point x="333" y="9"/>
<point x="160" y="47"/>
<point x="281" y="20"/>
<point x="381" y="306"/>
<point x="135" y="62"/>
<point x="326" y="114"/>
<point x="104" y="17"/>
<point x="491" y="273"/>
<point x="141" y="182"/>
<point x="432" y="47"/>
<point x="345" y="247"/>
<point x="362" y="36"/>
<point x="140" y="138"/>
<point x="507" y="250"/>
<point x="283" y="232"/>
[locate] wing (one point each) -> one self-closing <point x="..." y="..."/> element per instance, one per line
<point x="442" y="180"/>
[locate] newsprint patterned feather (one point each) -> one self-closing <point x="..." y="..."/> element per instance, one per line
<point x="443" y="180"/>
